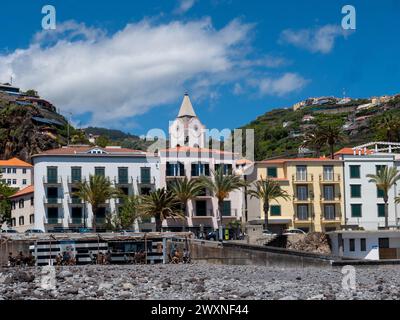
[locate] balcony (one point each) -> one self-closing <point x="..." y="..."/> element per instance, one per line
<point x="302" y="178"/>
<point x="305" y="199"/>
<point x="74" y="201"/>
<point x="330" y="178"/>
<point x="233" y="213"/>
<point x="148" y="181"/>
<point x="123" y="181"/>
<point x="76" y="221"/>
<point x="75" y="180"/>
<point x="203" y="214"/>
<point x="50" y="180"/>
<point x="331" y="199"/>
<point x="53" y="220"/>
<point x="331" y="218"/>
<point x="52" y="201"/>
<point x="302" y="218"/>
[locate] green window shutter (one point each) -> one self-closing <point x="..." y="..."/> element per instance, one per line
<point x="275" y="210"/>
<point x="356" y="211"/>
<point x="355" y="191"/>
<point x="354" y="172"/>
<point x="76" y="174"/>
<point x="379" y="168"/>
<point x="123" y="175"/>
<point x="145" y="175"/>
<point x="379" y="193"/>
<point x="52" y="174"/>
<point x="272" y="172"/>
<point x="381" y="210"/>
<point x="226" y="210"/>
<point x="99" y="171"/>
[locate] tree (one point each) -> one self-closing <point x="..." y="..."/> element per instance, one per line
<point x="266" y="191"/>
<point x="160" y="204"/>
<point x="314" y="140"/>
<point x="331" y="135"/>
<point x="96" y="191"/>
<point x="5" y="203"/>
<point x="220" y="185"/>
<point x="389" y="126"/>
<point x="127" y="213"/>
<point x="385" y="180"/>
<point x="185" y="190"/>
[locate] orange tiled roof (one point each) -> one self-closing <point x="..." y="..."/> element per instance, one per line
<point x="72" y="150"/>
<point x="350" y="151"/>
<point x="284" y="160"/>
<point x="23" y="192"/>
<point x="14" y="162"/>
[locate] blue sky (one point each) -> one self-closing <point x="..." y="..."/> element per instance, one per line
<point x="126" y="64"/>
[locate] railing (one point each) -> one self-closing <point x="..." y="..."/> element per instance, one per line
<point x="75" y="180"/>
<point x="300" y="177"/>
<point x="308" y="198"/>
<point x="123" y="180"/>
<point x="334" y="198"/>
<point x="75" y="200"/>
<point x="52" y="200"/>
<point x="79" y="221"/>
<point x="303" y="217"/>
<point x="52" y="180"/>
<point x="146" y="180"/>
<point x="330" y="177"/>
<point x="53" y="220"/>
<point x="229" y="213"/>
<point x="100" y="220"/>
<point x="331" y="217"/>
<point x="206" y="213"/>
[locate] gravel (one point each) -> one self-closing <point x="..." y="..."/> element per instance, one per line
<point x="197" y="281"/>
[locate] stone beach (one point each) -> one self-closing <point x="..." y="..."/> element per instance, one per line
<point x="196" y="281"/>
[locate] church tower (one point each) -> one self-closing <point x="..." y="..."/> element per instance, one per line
<point x="187" y="130"/>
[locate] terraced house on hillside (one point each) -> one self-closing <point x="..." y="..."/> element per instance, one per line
<point x="315" y="187"/>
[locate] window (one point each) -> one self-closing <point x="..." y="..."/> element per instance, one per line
<point x="24" y="181"/>
<point x="3" y="170"/>
<point x="200" y="169"/>
<point x="145" y="175"/>
<point x="8" y="170"/>
<point x="379" y="193"/>
<point x="226" y="209"/>
<point x="13" y="205"/>
<point x="24" y="171"/>
<point x="32" y="201"/>
<point x="363" y="244"/>
<point x="302" y="192"/>
<point x="302" y="212"/>
<point x="32" y="219"/>
<point x="123" y="175"/>
<point x="14" y="170"/>
<point x="352" y="245"/>
<point x="328" y="173"/>
<point x="21" y="221"/>
<point x="355" y="191"/>
<point x="329" y="212"/>
<point x="76" y="174"/>
<point x="301" y="173"/>
<point x="384" y="243"/>
<point x="275" y="210"/>
<point x="52" y="174"/>
<point x="9" y="181"/>
<point x="13" y="222"/>
<point x="99" y="171"/>
<point x="21" y="203"/>
<point x="329" y="192"/>
<point x="201" y="208"/>
<point x="356" y="211"/>
<point x="381" y="210"/>
<point x="379" y="167"/>
<point x="355" y="172"/>
<point x="272" y="172"/>
<point x="14" y="182"/>
<point x="175" y="169"/>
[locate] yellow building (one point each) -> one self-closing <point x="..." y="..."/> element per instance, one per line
<point x="315" y="187"/>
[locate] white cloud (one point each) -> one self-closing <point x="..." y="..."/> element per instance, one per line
<point x="127" y="73"/>
<point x="283" y="85"/>
<point x="320" y="39"/>
<point x="184" y="6"/>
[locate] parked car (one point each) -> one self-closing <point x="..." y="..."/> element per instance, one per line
<point x="34" y="231"/>
<point x="293" y="231"/>
<point x="9" y="231"/>
<point x="212" y="236"/>
<point x="268" y="232"/>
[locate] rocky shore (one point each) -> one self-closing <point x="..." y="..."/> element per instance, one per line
<point x="196" y="281"/>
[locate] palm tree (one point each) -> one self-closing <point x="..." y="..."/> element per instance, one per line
<point x="313" y="139"/>
<point x="160" y="204"/>
<point x="267" y="190"/>
<point x="185" y="190"/>
<point x="331" y="135"/>
<point x="390" y="127"/>
<point x="220" y="185"/>
<point x="127" y="213"/>
<point x="385" y="180"/>
<point x="96" y="191"/>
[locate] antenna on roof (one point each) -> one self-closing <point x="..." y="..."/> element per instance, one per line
<point x="11" y="80"/>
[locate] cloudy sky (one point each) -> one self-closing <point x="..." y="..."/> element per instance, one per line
<point x="126" y="64"/>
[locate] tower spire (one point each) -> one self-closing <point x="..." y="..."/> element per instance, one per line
<point x="186" y="109"/>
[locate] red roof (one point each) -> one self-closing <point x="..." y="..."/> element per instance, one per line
<point x="350" y="151"/>
<point x="23" y="192"/>
<point x="14" y="162"/>
<point x="82" y="150"/>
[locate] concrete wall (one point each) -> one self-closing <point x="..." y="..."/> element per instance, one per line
<point x="242" y="254"/>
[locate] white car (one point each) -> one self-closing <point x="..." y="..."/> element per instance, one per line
<point x="293" y="231"/>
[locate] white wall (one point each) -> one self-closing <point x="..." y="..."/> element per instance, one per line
<point x="19" y="176"/>
<point x="88" y="164"/>
<point x="369" y="199"/>
<point x="26" y="211"/>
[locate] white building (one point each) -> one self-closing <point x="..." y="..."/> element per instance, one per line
<point x="369" y="245"/>
<point x="22" y="210"/>
<point x="364" y="205"/>
<point x="58" y="171"/>
<point x="16" y="173"/>
<point x="188" y="156"/>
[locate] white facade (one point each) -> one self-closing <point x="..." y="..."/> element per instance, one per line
<point x="361" y="196"/>
<point x="55" y="205"/>
<point x="369" y="245"/>
<point x="16" y="173"/>
<point x="22" y="210"/>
